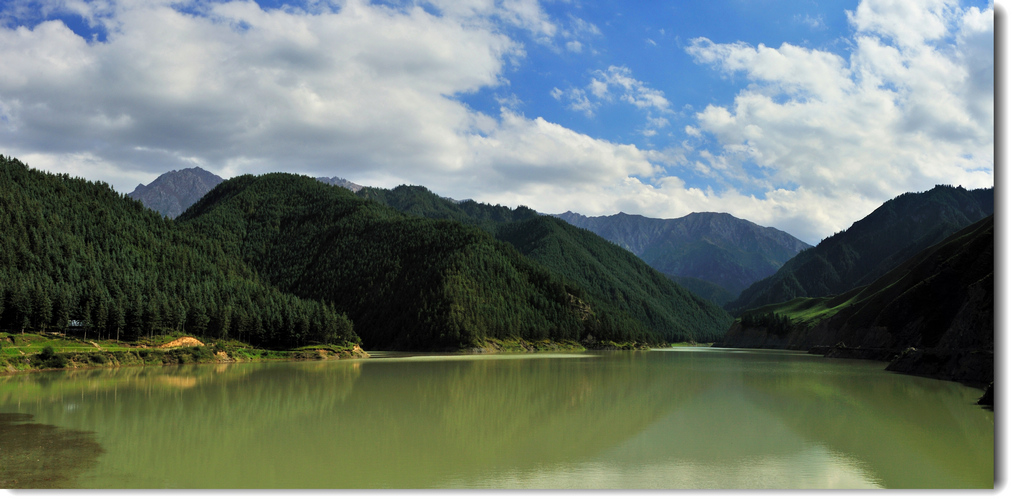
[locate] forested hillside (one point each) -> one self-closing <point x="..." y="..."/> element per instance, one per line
<point x="935" y="311"/>
<point x="611" y="275"/>
<point x="77" y="250"/>
<point x="406" y="282"/>
<point x="419" y="201"/>
<point x="872" y="246"/>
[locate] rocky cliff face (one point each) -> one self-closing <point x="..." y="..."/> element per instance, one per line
<point x="174" y="191"/>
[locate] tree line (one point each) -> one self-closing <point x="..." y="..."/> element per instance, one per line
<point x="77" y="250"/>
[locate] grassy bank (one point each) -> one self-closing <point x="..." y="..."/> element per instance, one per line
<point x="32" y="351"/>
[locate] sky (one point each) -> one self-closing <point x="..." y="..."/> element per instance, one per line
<point x="801" y="115"/>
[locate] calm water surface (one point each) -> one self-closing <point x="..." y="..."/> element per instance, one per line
<point x="680" y="418"/>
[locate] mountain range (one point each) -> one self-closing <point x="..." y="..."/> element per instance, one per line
<point x="872" y="246"/>
<point x="173" y="192"/>
<point x="700" y="248"/>
<point x="284" y="260"/>
<point x="415" y="283"/>
<point x="613" y="275"/>
<point x="714" y="255"/>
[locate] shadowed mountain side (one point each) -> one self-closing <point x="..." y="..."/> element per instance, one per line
<point x="618" y="278"/>
<point x="611" y="275"/>
<point x="173" y="192"/>
<point x="935" y="312"/>
<point x="705" y="289"/>
<point x="408" y="282"/>
<point x="715" y="247"/>
<point x="890" y="235"/>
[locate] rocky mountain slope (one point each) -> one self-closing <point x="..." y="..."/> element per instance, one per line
<point x="173" y="192"/>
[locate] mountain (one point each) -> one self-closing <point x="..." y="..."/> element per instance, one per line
<point x="726" y="251"/>
<point x="934" y="313"/>
<point x="77" y="250"/>
<point x="611" y="275"/>
<point x="419" y="201"/>
<point x="340" y="182"/>
<point x="872" y="246"/>
<point x="407" y="283"/>
<point x="705" y="289"/>
<point x="171" y="193"/>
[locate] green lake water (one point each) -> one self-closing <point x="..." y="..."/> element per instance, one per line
<point x="679" y="418"/>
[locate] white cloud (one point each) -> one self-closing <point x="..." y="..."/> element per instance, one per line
<point x="894" y="117"/>
<point x="525" y="14"/>
<point x="633" y="91"/>
<point x="240" y="89"/>
<point x="520" y="153"/>
<point x="581" y="28"/>
<point x="368" y="92"/>
<point x="909" y="23"/>
<point x="578" y="100"/>
<point x="815" y="22"/>
<point x="617" y="84"/>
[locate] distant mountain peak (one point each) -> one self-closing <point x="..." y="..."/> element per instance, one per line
<point x="340" y="182"/>
<point x="173" y="192"/>
<point x="714" y="247"/>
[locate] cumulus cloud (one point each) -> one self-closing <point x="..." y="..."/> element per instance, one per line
<point x="619" y="80"/>
<point x="617" y="84"/>
<point x="911" y="107"/>
<point x="369" y="92"/>
<point x="237" y="89"/>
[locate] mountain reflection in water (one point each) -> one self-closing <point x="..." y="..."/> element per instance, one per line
<point x="704" y="418"/>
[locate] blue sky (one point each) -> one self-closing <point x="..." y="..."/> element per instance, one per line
<point x="800" y="115"/>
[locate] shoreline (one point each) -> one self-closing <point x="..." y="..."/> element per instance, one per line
<point x="142" y="357"/>
<point x="220" y="352"/>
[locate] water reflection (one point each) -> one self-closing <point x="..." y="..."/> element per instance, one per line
<point x="673" y="419"/>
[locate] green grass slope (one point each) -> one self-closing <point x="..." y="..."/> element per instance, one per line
<point x="406" y="282"/>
